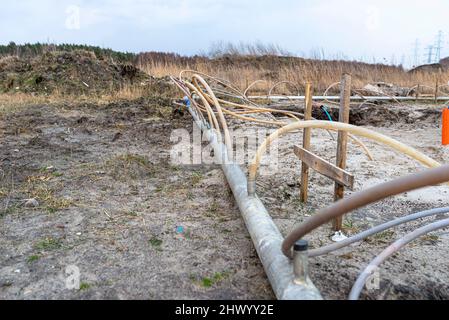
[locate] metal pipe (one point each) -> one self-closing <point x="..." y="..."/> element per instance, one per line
<point x="357" y="98"/>
<point x="396" y="246"/>
<point x="265" y="235"/>
<point x="359" y="199"/>
<point x="384" y="226"/>
<point x="301" y="261"/>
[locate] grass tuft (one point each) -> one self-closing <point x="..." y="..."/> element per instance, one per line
<point x="156" y="243"/>
<point x="48" y="244"/>
<point x="33" y="258"/>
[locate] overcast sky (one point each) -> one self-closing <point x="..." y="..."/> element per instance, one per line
<point x="384" y="29"/>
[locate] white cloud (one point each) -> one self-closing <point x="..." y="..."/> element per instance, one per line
<point x="376" y="28"/>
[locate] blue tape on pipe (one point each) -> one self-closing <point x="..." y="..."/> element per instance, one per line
<point x="186" y="101"/>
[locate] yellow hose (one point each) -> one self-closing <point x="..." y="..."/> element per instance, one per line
<point x="281" y="82"/>
<point x="399" y="146"/>
<point x="210" y="98"/>
<point x="224" y="125"/>
<point x="251" y="85"/>
<point x="209" y="110"/>
<point x="214" y="100"/>
<point x="355" y="139"/>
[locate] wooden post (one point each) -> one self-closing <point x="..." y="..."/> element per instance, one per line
<point x="436" y="89"/>
<point x="303" y="192"/>
<point x="342" y="141"/>
<point x="417" y="92"/>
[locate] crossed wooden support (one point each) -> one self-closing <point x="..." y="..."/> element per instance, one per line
<point x="309" y="160"/>
<point x="324" y="167"/>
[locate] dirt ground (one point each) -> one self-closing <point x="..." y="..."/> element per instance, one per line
<point x="137" y="227"/>
<point x="420" y="270"/>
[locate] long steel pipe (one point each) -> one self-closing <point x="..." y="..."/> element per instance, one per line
<point x="265" y="235"/>
<point x="356" y="98"/>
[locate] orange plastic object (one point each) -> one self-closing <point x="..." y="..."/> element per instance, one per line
<point x="445" y="132"/>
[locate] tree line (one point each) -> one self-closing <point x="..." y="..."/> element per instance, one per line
<point x="31" y="50"/>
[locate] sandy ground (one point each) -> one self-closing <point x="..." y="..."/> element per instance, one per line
<point x="420" y="271"/>
<point x="137" y="227"/>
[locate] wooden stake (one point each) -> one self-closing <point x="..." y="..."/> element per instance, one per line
<point x="303" y="192"/>
<point x="436" y="89"/>
<point x="342" y="141"/>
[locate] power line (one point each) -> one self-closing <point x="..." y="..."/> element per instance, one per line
<point x="429" y="53"/>
<point x="438" y="46"/>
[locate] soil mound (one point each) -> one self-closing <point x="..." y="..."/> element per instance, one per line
<point x="75" y="72"/>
